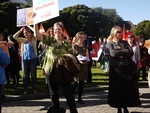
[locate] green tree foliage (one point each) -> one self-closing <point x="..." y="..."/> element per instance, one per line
<point x="82" y="18"/>
<point x="96" y="22"/>
<point x="25" y="6"/>
<point x="1" y="1"/>
<point x="143" y="29"/>
<point x="78" y="18"/>
<point x="98" y="9"/>
<point x="111" y="13"/>
<point x="8" y="18"/>
<point x="121" y="23"/>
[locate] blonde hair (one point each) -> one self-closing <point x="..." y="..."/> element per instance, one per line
<point x="113" y="33"/>
<point x="77" y="36"/>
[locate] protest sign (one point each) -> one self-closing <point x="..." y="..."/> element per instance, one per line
<point x="25" y="16"/>
<point x="45" y="10"/>
<point x="29" y="15"/>
<point x="96" y="51"/>
<point x="21" y="17"/>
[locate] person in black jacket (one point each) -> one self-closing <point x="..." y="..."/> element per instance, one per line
<point x="15" y="65"/>
<point x="123" y="91"/>
<point x="144" y="59"/>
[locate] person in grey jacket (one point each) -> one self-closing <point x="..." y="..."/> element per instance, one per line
<point x="120" y="74"/>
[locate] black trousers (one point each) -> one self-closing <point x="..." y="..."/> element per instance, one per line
<point x="80" y="88"/>
<point x="66" y="87"/>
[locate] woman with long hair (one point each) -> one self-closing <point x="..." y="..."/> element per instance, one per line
<point x="14" y="66"/>
<point x="123" y="91"/>
<point x="28" y="57"/>
<point x="79" y="48"/>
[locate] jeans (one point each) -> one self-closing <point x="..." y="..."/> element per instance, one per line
<point x="29" y="66"/>
<point x="68" y="95"/>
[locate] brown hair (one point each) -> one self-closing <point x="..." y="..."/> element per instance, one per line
<point x="132" y="36"/>
<point x="27" y="29"/>
<point x="77" y="36"/>
<point x="48" y="31"/>
<point x="2" y="36"/>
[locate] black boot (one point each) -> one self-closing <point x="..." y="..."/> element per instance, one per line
<point x="119" y="110"/>
<point x="52" y="109"/>
<point x="125" y="110"/>
<point x="80" y="101"/>
<point x="46" y="88"/>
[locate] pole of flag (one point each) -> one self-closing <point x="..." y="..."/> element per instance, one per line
<point x="124" y="32"/>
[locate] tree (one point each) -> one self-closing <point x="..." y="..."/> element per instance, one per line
<point x="121" y="23"/>
<point x="143" y="29"/>
<point x="97" y="22"/>
<point x="111" y="13"/>
<point x="98" y="9"/>
<point x="8" y="18"/>
<point x="4" y="1"/>
<point x="81" y="17"/>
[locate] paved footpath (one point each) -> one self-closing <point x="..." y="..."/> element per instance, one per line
<point x="96" y="102"/>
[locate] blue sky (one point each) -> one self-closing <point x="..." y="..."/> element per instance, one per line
<point x="130" y="10"/>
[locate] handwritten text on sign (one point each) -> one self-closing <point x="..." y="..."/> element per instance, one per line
<point x="24" y="16"/>
<point x="45" y="10"/>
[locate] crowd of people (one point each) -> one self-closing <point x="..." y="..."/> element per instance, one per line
<point x="68" y="64"/>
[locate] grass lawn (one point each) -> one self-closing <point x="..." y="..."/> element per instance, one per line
<point x="98" y="78"/>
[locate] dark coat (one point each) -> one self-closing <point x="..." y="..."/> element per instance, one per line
<point x="123" y="90"/>
<point x="144" y="56"/>
<point x="15" y="64"/>
<point x="68" y="71"/>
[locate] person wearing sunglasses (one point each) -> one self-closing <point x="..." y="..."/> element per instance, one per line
<point x="122" y="92"/>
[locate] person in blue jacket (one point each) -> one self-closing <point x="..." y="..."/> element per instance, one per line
<point x="4" y="61"/>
